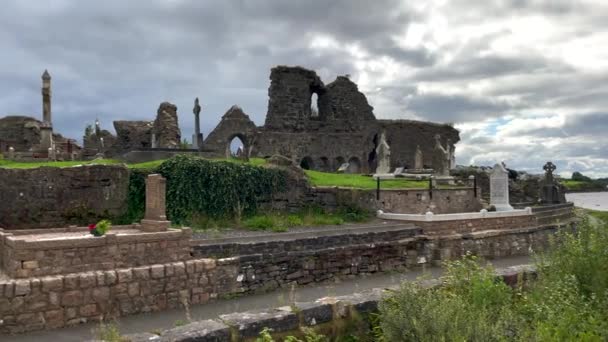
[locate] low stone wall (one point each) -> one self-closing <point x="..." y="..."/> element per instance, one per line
<point x="413" y="201"/>
<point x="445" y="224"/>
<point x="54" y="197"/>
<point x="55" y="301"/>
<point x="320" y="314"/>
<point x="59" y="251"/>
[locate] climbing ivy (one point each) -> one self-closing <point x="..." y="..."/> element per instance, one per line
<point x="196" y="186"/>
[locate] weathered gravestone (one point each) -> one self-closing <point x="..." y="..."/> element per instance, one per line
<point x="11" y="153"/>
<point x="398" y="171"/>
<point x="383" y="153"/>
<point x="418" y="159"/>
<point x="499" y="188"/>
<point x="155" y="219"/>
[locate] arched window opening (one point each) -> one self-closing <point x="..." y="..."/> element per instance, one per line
<point x="236" y="148"/>
<point x="307" y="163"/>
<point x="314" y="105"/>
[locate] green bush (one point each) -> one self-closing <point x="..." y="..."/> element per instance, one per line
<point x="567" y="302"/>
<point x="470" y="307"/>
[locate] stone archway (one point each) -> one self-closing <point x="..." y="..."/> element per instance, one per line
<point x="232" y="142"/>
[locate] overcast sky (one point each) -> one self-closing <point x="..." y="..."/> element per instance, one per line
<point x="525" y="81"/>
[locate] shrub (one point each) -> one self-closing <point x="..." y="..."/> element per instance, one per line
<point x="458" y="311"/>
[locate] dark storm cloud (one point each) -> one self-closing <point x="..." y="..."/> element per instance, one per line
<point x="117" y="59"/>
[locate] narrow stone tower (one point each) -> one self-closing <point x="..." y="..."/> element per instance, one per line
<point x="46" y="98"/>
<point x="46" y="129"/>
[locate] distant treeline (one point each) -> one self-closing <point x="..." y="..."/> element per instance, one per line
<point x="580" y="182"/>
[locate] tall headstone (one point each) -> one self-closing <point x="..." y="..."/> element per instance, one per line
<point x="499" y="188"/>
<point x="11" y="153"/>
<point x="155" y="219"/>
<point x="197" y="137"/>
<point x="383" y="154"/>
<point x="418" y="159"/>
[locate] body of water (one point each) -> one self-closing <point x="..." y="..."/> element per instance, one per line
<point x="589" y="200"/>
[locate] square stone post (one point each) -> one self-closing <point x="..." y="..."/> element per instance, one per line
<point x="155" y="219"/>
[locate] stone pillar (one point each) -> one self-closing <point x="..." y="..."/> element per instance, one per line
<point x="46" y="136"/>
<point x="499" y="188"/>
<point x="46" y="98"/>
<point x="155" y="219"/>
<point x="11" y="153"/>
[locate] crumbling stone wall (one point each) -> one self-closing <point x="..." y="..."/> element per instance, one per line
<point x="48" y="196"/>
<point x="166" y="127"/>
<point x="20" y="132"/>
<point x="132" y="135"/>
<point x="345" y="129"/>
<point x="404" y="135"/>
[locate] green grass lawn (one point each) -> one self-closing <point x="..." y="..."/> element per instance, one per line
<point x="602" y="215"/>
<point x="30" y="165"/>
<point x="360" y="181"/>
<point x="146" y="165"/>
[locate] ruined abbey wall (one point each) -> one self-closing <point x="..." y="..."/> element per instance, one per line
<point x="339" y="128"/>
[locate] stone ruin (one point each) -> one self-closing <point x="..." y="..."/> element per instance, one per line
<point x="27" y="138"/>
<point x="338" y="132"/>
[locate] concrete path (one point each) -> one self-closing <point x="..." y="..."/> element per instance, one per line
<point x="166" y="319"/>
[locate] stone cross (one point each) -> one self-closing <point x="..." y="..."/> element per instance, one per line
<point x="418" y="159"/>
<point x="155" y="218"/>
<point x="383" y="153"/>
<point x="549" y="168"/>
<point x="499" y="188"/>
<point x="197" y="138"/>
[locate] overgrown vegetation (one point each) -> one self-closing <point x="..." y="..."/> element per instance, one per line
<point x="566" y="303"/>
<point x="216" y="189"/>
<point x="281" y="222"/>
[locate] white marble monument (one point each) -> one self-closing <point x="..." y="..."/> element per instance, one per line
<point x="383" y="155"/>
<point x="499" y="188"/>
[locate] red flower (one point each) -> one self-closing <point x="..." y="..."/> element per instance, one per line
<point x="92" y="226"/>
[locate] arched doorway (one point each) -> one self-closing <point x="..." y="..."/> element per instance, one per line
<point x="354" y="165"/>
<point x="237" y="147"/>
<point x="307" y="164"/>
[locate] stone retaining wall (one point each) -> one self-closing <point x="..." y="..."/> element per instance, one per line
<point x="27" y="254"/>
<point x="319" y="314"/>
<point x="411" y="201"/>
<point x="53" y="197"/>
<point x="55" y="301"/>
